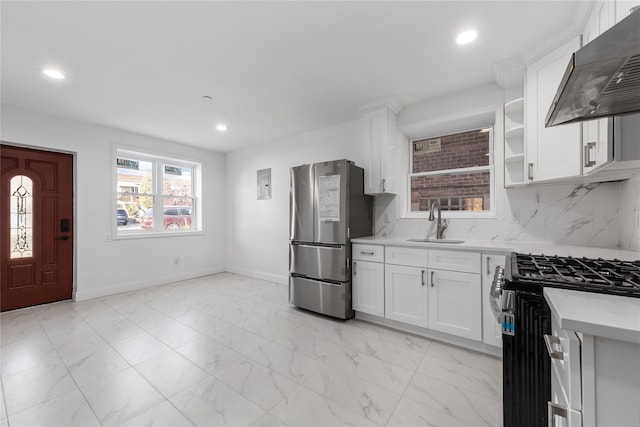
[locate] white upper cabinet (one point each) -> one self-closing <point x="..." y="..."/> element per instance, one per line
<point x="623" y="8"/>
<point x="552" y="153"/>
<point x="382" y="143"/>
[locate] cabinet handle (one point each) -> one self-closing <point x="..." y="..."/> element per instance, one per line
<point x="587" y="154"/>
<point x="367" y="253"/>
<point x="432" y="281"/>
<point x="422" y="277"/>
<point x="530" y="171"/>
<point x="488" y="267"/>
<point x="383" y="185"/>
<point x="554" y="409"/>
<point x="550" y="341"/>
<point x="354" y="268"/>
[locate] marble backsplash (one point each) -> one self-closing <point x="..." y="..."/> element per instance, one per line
<point x="568" y="214"/>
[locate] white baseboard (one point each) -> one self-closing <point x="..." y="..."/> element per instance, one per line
<point x="81" y="295"/>
<point x="284" y="280"/>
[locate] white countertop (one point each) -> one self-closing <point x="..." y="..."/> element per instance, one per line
<point x="511" y="246"/>
<point x="602" y="315"/>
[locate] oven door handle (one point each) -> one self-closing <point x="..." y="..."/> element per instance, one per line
<point x="497" y="311"/>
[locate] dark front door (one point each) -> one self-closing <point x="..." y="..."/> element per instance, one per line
<point x="36" y="227"/>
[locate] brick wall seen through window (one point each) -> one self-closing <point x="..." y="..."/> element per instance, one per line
<point x="454" y="169"/>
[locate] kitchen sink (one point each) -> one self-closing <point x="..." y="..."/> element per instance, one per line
<point x="450" y="241"/>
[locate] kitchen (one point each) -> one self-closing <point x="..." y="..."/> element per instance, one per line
<point x="250" y="237"/>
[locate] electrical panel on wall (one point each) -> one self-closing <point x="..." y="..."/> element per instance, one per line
<point x="264" y="184"/>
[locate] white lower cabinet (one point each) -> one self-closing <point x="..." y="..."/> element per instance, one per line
<point x="455" y="303"/>
<point x="595" y="381"/>
<point x="367" y="278"/>
<point x="405" y="294"/>
<point x="368" y="287"/>
<point x="439" y="290"/>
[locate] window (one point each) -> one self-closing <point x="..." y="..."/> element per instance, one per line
<point x="154" y="194"/>
<point x="455" y="170"/>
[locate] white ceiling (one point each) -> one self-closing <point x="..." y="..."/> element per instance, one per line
<point x="274" y="69"/>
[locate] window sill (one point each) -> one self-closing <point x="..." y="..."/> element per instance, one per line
<point x="453" y="215"/>
<point x="155" y="235"/>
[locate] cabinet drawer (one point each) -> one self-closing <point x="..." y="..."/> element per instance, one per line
<point x="367" y="252"/>
<point x="565" y="362"/>
<point x="468" y="262"/>
<point x="406" y="256"/>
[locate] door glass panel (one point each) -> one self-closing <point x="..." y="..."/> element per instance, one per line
<point x="21" y="213"/>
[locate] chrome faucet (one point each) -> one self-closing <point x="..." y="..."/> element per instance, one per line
<point x="441" y="224"/>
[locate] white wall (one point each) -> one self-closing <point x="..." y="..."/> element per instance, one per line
<point x="257" y="231"/>
<point x="106" y="267"/>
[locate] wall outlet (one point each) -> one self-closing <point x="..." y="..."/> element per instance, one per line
<point x="515" y="217"/>
<point x="387" y="218"/>
<point x="107" y="237"/>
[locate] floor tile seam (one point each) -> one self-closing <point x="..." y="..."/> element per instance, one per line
<point x="331" y="401"/>
<point x="329" y="363"/>
<point x="137" y="412"/>
<point x="463" y="365"/>
<point x="179" y="391"/>
<point x="284" y="374"/>
<point x="443" y="412"/>
<point x="218" y="378"/>
<point x="59" y="363"/>
<point x="361" y="353"/>
<point x="463" y="388"/>
<point x="390" y="329"/>
<point x="4" y="401"/>
<point x="41" y="404"/>
<point x="399" y="395"/>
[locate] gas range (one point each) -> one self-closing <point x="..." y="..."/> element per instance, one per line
<point x="582" y="274"/>
<point x="518" y="303"/>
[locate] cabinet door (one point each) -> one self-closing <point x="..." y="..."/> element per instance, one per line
<point x="382" y="142"/>
<point x="368" y="287"/>
<point x="405" y="297"/>
<point x="455" y="303"/>
<point x="597" y="149"/>
<point x="491" y="329"/>
<point x="553" y="152"/>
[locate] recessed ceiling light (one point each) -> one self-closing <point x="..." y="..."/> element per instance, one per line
<point x="485" y="130"/>
<point x="221" y="127"/>
<point x="54" y="74"/>
<point x="466" y="37"/>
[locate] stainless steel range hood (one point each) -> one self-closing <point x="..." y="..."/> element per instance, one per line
<point x="603" y="78"/>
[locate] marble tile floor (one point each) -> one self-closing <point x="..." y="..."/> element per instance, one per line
<point x="229" y="350"/>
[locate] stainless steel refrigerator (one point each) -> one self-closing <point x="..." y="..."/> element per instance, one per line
<point x="328" y="207"/>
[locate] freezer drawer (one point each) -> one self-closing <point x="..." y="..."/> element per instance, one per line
<point x="322" y="297"/>
<point x="320" y="262"/>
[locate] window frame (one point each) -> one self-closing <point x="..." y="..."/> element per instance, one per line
<point x="491" y="213"/>
<point x="158" y="161"/>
